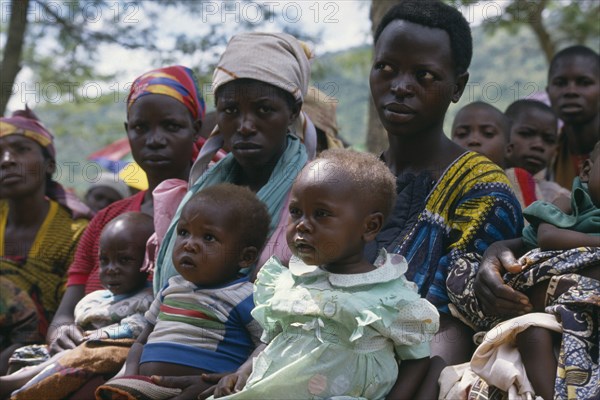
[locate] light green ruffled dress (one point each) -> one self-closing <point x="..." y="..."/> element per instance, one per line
<point x="334" y="335"/>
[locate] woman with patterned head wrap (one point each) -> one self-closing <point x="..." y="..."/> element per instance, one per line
<point x="259" y="95"/>
<point x="164" y="114"/>
<point x="38" y="229"/>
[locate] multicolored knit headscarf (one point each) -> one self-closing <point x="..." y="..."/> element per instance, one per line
<point x="177" y="82"/>
<point x="25" y="123"/>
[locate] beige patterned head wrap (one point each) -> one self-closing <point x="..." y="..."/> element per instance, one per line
<point x="275" y="58"/>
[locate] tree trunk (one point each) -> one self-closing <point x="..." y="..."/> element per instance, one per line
<point x="537" y="25"/>
<point x="376" y="135"/>
<point x="13" y="49"/>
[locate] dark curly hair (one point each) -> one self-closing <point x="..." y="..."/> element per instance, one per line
<point x="574" y="51"/>
<point x="372" y="180"/>
<point x="435" y="14"/>
<point x="519" y="106"/>
<point x="249" y="213"/>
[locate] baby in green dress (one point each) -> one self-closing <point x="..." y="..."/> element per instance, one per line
<point x="335" y="325"/>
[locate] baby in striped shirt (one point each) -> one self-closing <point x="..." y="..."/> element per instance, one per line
<point x="200" y="321"/>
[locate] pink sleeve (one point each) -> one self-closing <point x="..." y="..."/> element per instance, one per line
<point x="277" y="243"/>
<point x="85" y="255"/>
<point x="166" y="196"/>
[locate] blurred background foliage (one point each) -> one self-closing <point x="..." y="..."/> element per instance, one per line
<point x="510" y="62"/>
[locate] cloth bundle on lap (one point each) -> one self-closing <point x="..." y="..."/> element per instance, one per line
<point x="135" y="387"/>
<point x="71" y="371"/>
<point x="571" y="298"/>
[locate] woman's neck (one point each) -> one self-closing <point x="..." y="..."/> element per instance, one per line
<point x="29" y="211"/>
<point x="255" y="178"/>
<point x="431" y="153"/>
<point x="582" y="138"/>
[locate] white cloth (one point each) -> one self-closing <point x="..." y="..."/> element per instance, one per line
<point x="498" y="361"/>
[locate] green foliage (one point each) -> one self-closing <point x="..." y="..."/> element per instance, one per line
<point x="80" y="128"/>
<point x="504" y="68"/>
<point x="65" y="40"/>
<point x="556" y="23"/>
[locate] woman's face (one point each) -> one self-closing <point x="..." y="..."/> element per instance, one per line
<point x="253" y="118"/>
<point x="162" y="133"/>
<point x="413" y="79"/>
<point x="23" y="167"/>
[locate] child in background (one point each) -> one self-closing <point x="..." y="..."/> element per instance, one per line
<point x="105" y="191"/>
<point x="335" y="324"/>
<point x="117" y="312"/>
<point x="200" y="321"/>
<point x="574" y="91"/>
<point x="532" y="146"/>
<point x="483" y="128"/>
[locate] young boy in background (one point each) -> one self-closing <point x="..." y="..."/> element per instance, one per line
<point x="482" y="128"/>
<point x="532" y="146"/>
<point x="574" y="91"/>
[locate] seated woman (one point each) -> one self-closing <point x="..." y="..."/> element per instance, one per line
<point x="39" y="224"/>
<point x="450" y="201"/>
<point x="164" y="116"/>
<point x="259" y="96"/>
<point x="560" y="277"/>
<point x="109" y="319"/>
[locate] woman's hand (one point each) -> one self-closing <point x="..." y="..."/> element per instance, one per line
<point x="65" y="337"/>
<point x="495" y="297"/>
<point x="62" y="333"/>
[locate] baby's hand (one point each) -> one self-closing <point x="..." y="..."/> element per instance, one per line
<point x="516" y="267"/>
<point x="95" y="335"/>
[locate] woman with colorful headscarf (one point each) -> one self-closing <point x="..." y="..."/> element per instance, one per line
<point x="259" y="95"/>
<point x="38" y="229"/>
<point x="164" y="114"/>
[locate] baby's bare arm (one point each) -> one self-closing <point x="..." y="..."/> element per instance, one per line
<point x="410" y="377"/>
<point x="550" y="237"/>
<point x="132" y="364"/>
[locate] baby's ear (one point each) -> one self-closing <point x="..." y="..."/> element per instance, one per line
<point x="586" y="168"/>
<point x="373" y="224"/>
<point x="248" y="256"/>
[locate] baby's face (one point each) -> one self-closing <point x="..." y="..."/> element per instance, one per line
<point x="207" y="249"/>
<point x="121" y="257"/>
<point x="481" y="130"/>
<point x="327" y="219"/>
